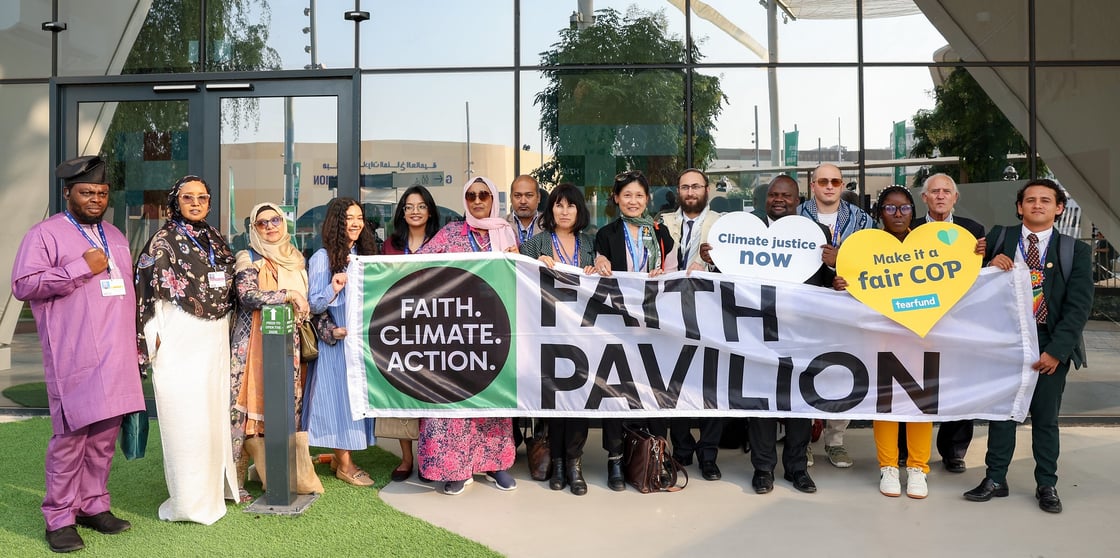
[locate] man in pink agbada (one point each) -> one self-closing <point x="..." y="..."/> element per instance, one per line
<point x="76" y="271"/>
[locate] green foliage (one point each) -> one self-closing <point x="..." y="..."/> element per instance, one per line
<point x="966" y="123"/>
<point x="599" y="122"/>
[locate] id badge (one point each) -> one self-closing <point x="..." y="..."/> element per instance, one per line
<point x="112" y="287"/>
<point x="217" y="279"/>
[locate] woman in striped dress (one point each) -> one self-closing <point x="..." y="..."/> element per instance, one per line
<point x="329" y="423"/>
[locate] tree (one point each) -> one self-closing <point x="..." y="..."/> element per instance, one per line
<point x="966" y="123"/>
<point x="600" y="122"/>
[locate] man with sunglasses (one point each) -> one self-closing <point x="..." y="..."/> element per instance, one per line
<point x="76" y="271"/>
<point x="689" y="226"/>
<point x="842" y="219"/>
<point x="940" y="194"/>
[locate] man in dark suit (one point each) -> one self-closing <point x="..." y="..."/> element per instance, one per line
<point x="940" y="194"/>
<point x="1061" y="303"/>
<point x="781" y="201"/>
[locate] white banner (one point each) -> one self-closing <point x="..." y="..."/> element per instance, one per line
<point x="484" y="335"/>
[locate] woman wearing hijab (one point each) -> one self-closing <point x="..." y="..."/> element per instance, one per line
<point x="453" y="450"/>
<point x="563" y="240"/>
<point x="184" y="279"/>
<point x="415" y="222"/>
<point x="329" y="423"/>
<point x="633" y="242"/>
<point x="271" y="271"/>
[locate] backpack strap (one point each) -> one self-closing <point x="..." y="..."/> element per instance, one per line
<point x="1065" y="254"/>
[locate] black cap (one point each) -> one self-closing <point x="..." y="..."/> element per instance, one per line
<point x="89" y="169"/>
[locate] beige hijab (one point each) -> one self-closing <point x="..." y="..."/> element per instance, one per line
<point x="283" y="255"/>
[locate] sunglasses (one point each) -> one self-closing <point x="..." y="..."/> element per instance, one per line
<point x="822" y="182"/>
<point x="265" y="223"/>
<point x="482" y="196"/>
<point x="189" y="199"/>
<point x="628" y="176"/>
<point x="905" y="209"/>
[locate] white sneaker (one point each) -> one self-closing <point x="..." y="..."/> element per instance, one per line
<point x="888" y="482"/>
<point x="915" y="483"/>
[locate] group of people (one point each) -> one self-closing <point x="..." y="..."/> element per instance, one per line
<point x="190" y="313"/>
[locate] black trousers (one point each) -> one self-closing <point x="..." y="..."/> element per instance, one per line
<point x="953" y="438"/>
<point x="764" y="435"/>
<point x="566" y="437"/>
<point x="684" y="445"/>
<point x="612" y="431"/>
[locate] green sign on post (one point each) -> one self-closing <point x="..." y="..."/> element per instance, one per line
<point x="899" y="137"/>
<point x="791" y="149"/>
<point x="276" y="319"/>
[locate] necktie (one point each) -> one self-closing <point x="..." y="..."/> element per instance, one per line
<point x="1035" y="263"/>
<point x="682" y="252"/>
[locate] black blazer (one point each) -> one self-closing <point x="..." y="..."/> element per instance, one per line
<point x="971" y="226"/>
<point x="1068" y="299"/>
<point x="823" y="277"/>
<point x="610" y="241"/>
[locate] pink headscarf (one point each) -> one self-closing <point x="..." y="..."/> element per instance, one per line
<point x="501" y="234"/>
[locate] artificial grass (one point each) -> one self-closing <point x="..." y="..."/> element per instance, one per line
<point x="34" y="394"/>
<point x="344" y="521"/>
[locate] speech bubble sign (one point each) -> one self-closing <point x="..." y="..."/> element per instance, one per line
<point x="914" y="282"/>
<point x="788" y="250"/>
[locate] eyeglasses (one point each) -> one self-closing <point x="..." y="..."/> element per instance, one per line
<point x="905" y="209"/>
<point x="690" y="187"/>
<point x="422" y="208"/>
<point x="265" y="223"/>
<point x="189" y="199"/>
<point x="481" y="196"/>
<point x="837" y="182"/>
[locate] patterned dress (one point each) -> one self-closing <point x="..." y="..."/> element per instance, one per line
<point x="456" y="449"/>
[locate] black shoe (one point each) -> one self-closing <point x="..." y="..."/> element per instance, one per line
<point x="710" y="471"/>
<point x="614" y="473"/>
<point x="104" y="522"/>
<point x="65" y="539"/>
<point x="556" y="481"/>
<point x="986" y="491"/>
<point x="575" y="477"/>
<point x="954" y="464"/>
<point x="802" y="481"/>
<point x="763" y="482"/>
<point x="1048" y="500"/>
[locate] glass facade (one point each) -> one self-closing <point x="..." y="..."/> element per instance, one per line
<point x="579" y="90"/>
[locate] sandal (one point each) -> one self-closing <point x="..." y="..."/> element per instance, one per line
<point x="243" y="496"/>
<point x="357" y="478"/>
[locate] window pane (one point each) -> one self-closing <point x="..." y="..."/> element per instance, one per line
<point x="25" y="49"/>
<point x="892" y="96"/>
<point x="1077" y="30"/>
<point x="981" y="30"/>
<point x="110" y="38"/>
<point x="907" y="36"/>
<point x="621" y="32"/>
<point x="464" y="130"/>
<point x="736" y="31"/>
<point x="437" y="33"/>
<point x="289" y="35"/>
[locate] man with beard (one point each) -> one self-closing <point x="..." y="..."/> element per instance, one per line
<point x="689" y="226"/>
<point x="523" y="215"/>
<point x="76" y="271"/>
<point x="842" y="219"/>
<point x="781" y="201"/>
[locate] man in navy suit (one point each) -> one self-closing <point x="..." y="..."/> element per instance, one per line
<point x="1063" y="297"/>
<point x="940" y="194"/>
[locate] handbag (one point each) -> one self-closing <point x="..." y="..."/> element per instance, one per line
<point x="647" y="464"/>
<point x="539" y="454"/>
<point x="308" y="342"/>
<point x="134" y="434"/>
<point x="399" y="428"/>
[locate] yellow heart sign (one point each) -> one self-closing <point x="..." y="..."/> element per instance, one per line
<point x="914" y="282"/>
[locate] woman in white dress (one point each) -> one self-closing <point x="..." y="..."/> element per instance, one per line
<point x="184" y="278"/>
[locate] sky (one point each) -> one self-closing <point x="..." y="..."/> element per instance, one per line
<point x="821" y="102"/>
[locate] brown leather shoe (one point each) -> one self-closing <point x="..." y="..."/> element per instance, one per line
<point x="357" y="478"/>
<point x="104" y="522"/>
<point x="65" y="539"/>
